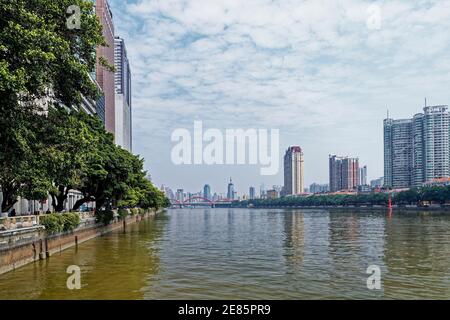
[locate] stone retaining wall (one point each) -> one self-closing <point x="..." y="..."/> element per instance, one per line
<point x="21" y="247"/>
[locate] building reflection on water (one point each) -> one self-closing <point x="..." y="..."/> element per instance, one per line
<point x="332" y="250"/>
<point x="294" y="240"/>
<point x="252" y="254"/>
<point x="416" y="265"/>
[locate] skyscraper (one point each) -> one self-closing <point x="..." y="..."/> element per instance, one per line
<point x="230" y="190"/>
<point x="363" y="176"/>
<point x="398" y="152"/>
<point x="417" y="150"/>
<point x="123" y="124"/>
<point x="344" y="173"/>
<point x="252" y="193"/>
<point x="105" y="77"/>
<point x="207" y="192"/>
<point x="293" y="171"/>
<point x="431" y="145"/>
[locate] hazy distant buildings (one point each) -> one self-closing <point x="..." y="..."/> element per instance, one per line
<point x="230" y="190"/>
<point x="251" y="193"/>
<point x="180" y="195"/>
<point x="272" y="194"/>
<point x="207" y="192"/>
<point x="417" y="150"/>
<point x="377" y="183"/>
<point x="293" y="171"/>
<point x="262" y="191"/>
<point x="168" y="192"/>
<point x="343" y="172"/>
<point x="319" y="188"/>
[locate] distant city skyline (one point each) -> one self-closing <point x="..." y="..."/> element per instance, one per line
<point x="315" y="72"/>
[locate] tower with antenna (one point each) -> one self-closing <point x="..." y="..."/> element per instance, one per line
<point x="230" y="190"/>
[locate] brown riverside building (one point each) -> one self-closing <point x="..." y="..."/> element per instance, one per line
<point x="105" y="78"/>
<point x="343" y="173"/>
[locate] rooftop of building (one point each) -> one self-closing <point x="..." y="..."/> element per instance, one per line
<point x="294" y="149"/>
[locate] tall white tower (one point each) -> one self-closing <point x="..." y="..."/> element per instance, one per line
<point x="294" y="171"/>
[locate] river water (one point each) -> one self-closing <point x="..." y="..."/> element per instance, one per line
<point x="251" y="254"/>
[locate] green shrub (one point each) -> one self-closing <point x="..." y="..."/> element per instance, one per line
<point x="141" y="211"/>
<point x="70" y="221"/>
<point x="123" y="213"/>
<point x="56" y="222"/>
<point x="104" y="216"/>
<point x="134" y="211"/>
<point x="53" y="223"/>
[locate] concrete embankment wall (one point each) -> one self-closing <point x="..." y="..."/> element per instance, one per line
<point x="21" y="247"/>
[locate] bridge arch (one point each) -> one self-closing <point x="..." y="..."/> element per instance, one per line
<point x="205" y="200"/>
<point x="198" y="198"/>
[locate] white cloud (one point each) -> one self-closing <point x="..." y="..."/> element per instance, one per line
<point x="310" y="68"/>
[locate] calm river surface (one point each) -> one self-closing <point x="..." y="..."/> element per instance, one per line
<point x="251" y="254"/>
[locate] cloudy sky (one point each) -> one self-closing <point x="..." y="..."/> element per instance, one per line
<point x="322" y="72"/>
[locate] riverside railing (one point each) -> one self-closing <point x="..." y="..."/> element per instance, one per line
<point x="21" y="222"/>
<point x="18" y="222"/>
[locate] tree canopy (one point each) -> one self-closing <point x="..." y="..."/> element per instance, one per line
<point x="414" y="196"/>
<point x="45" y="148"/>
<point x="42" y="63"/>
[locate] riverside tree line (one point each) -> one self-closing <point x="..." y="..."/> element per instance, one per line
<point x="48" y="146"/>
<point x="416" y="196"/>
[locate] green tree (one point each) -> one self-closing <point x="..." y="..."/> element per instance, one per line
<point x="22" y="165"/>
<point x="68" y="141"/>
<point x="152" y="197"/>
<point x="109" y="169"/>
<point x="42" y="63"/>
<point x="40" y="57"/>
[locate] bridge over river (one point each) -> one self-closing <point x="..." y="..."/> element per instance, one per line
<point x="201" y="202"/>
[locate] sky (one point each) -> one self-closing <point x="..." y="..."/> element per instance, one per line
<point x="324" y="73"/>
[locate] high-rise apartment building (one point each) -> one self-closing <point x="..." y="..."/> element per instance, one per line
<point x="344" y="173"/>
<point x="123" y="123"/>
<point x="104" y="76"/>
<point x="431" y="149"/>
<point x="417" y="150"/>
<point x="363" y="176"/>
<point x="398" y="160"/>
<point x="293" y="171"/>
